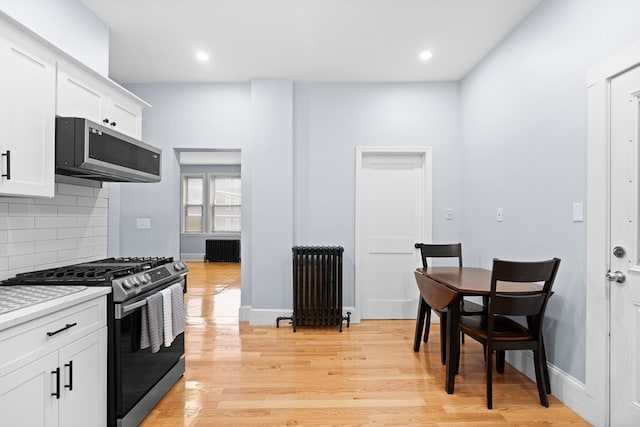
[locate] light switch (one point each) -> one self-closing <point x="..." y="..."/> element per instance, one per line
<point x="578" y="212"/>
<point x="449" y="215"/>
<point x="499" y="215"/>
<point x="143" y="223"/>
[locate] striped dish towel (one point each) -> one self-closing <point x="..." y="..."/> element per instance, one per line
<point x="177" y="306"/>
<point x="155" y="321"/>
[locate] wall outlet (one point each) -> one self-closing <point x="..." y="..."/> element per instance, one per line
<point x="143" y="223"/>
<point x="449" y="215"/>
<point x="499" y="215"/>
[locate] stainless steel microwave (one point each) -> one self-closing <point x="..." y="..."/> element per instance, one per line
<point x="85" y="149"/>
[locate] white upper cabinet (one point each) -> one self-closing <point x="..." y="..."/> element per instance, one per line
<point x="27" y="109"/>
<point x="37" y="82"/>
<point x="82" y="94"/>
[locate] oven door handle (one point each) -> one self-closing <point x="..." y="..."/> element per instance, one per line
<point x="123" y="310"/>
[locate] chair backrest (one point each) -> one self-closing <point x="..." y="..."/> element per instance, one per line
<point x="532" y="305"/>
<point x="428" y="250"/>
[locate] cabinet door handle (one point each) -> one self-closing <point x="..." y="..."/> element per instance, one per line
<point x="67" y="326"/>
<point x="106" y="121"/>
<point x="57" y="374"/>
<point x="70" y="366"/>
<point x="113" y="124"/>
<point x="8" y="156"/>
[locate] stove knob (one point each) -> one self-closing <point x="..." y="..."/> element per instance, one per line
<point x="144" y="279"/>
<point x="177" y="266"/>
<point x="136" y="281"/>
<point x="126" y="284"/>
<point x="148" y="276"/>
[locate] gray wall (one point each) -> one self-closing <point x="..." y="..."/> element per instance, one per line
<point x="331" y="120"/>
<point x="524" y="134"/>
<point x="314" y="174"/>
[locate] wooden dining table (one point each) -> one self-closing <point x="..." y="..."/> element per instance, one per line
<point x="444" y="287"/>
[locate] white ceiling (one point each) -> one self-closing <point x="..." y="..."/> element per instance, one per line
<point x="302" y="40"/>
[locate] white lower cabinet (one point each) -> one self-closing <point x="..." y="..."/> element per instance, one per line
<point x="62" y="383"/>
<point x="65" y="388"/>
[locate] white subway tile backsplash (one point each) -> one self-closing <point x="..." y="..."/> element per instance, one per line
<point x="21" y="248"/>
<point x="92" y="221"/>
<point x="74" y="190"/>
<point x="88" y="242"/>
<point x="16" y="222"/>
<point x="76" y="232"/>
<point x="92" y="201"/>
<point x="23" y="261"/>
<point x="56" y="221"/>
<point x="31" y="235"/>
<point x="100" y="231"/>
<point x="58" y="200"/>
<point x="36" y="234"/>
<point x="23" y="209"/>
<point x="56" y="245"/>
<point x="82" y="211"/>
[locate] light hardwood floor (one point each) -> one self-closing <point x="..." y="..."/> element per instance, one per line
<point x="368" y="375"/>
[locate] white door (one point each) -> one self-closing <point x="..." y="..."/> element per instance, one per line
<point x="393" y="213"/>
<point x="625" y="250"/>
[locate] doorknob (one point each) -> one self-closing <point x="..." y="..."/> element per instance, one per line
<point x="617" y="277"/>
<point x="619" y="252"/>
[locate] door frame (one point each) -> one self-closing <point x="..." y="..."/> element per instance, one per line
<point x="361" y="151"/>
<point x="597" y="387"/>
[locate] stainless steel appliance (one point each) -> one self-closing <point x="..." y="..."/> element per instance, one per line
<point x="88" y="150"/>
<point x="137" y="378"/>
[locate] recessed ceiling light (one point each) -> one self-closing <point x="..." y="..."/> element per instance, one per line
<point x="425" y="55"/>
<point x="202" y="56"/>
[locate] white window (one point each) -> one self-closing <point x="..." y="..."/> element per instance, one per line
<point x="225" y="202"/>
<point x="211" y="205"/>
<point x="193" y="204"/>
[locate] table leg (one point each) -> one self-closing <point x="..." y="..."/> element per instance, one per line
<point x="453" y="344"/>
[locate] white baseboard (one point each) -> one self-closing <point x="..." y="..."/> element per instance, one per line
<point x="191" y="257"/>
<point x="268" y="317"/>
<point x="571" y="392"/>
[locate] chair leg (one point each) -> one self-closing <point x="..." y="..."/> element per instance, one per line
<point x="500" y="361"/>
<point x="420" y="321"/>
<point x="545" y="367"/>
<point x="540" y="380"/>
<point x="489" y="366"/>
<point x="427" y="322"/>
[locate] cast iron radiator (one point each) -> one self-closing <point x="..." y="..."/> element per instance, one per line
<point x="222" y="250"/>
<point x="317" y="287"/>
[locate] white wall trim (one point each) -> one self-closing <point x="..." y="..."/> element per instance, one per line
<point x="267" y="317"/>
<point x="564" y="387"/>
<point x="598" y="361"/>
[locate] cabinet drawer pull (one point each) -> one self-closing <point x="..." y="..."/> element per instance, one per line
<point x="8" y="156"/>
<point x="70" y="366"/>
<point x="105" y="121"/>
<point x="67" y="326"/>
<point x="57" y="374"/>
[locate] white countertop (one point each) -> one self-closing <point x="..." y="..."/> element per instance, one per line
<point x="16" y="317"/>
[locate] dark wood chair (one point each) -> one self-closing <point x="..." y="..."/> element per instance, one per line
<point x="423" y="320"/>
<point x="499" y="333"/>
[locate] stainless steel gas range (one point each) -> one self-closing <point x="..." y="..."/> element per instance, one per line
<point x="137" y="377"/>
